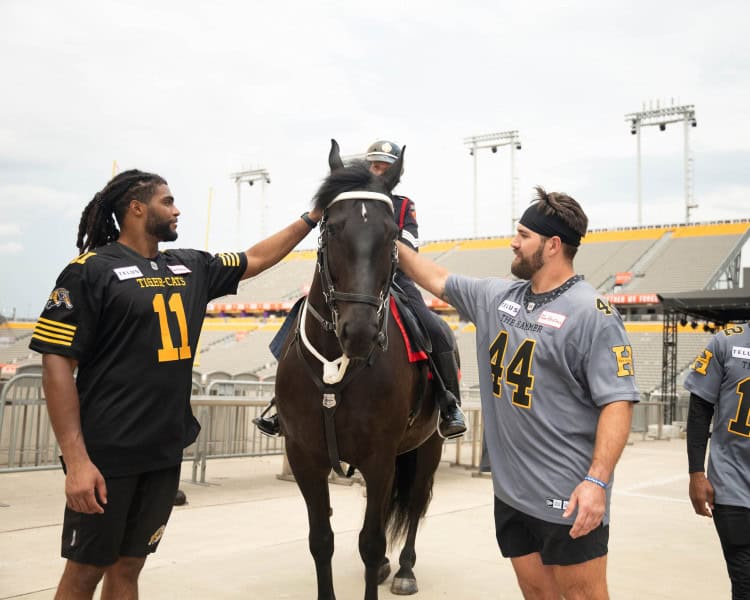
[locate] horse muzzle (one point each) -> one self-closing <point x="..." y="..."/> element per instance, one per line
<point x="358" y="329"/>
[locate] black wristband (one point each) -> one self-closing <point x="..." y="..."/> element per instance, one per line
<point x="305" y="216"/>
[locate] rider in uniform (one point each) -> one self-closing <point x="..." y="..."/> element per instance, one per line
<point x="380" y="156"/>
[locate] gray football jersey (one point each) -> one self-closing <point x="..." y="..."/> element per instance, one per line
<point x="721" y="375"/>
<point x="547" y="365"/>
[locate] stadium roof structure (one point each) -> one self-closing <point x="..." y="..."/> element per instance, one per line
<point x="720" y="306"/>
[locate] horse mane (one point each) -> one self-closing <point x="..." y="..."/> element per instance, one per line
<point x="354" y="177"/>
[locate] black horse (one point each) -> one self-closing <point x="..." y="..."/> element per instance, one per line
<point x="347" y="357"/>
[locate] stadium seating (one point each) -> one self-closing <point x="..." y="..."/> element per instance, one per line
<point x="690" y="258"/>
<point x="247" y="352"/>
<point x="658" y="259"/>
<point x="603" y="254"/>
<point x="646" y="339"/>
<point x="286" y="281"/>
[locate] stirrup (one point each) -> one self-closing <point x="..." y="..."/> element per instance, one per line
<point x="270" y="427"/>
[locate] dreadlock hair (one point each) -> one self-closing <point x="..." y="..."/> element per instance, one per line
<point x="97" y="226"/>
<point x="567" y="209"/>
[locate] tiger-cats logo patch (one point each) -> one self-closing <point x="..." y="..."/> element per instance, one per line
<point x="58" y="297"/>
<point x="157" y="535"/>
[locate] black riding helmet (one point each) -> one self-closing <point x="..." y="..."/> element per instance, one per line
<point x="383" y="151"/>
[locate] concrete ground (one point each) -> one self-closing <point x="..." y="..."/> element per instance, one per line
<point x="244" y="535"/>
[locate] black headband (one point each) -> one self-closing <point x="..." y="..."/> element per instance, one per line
<point x="549" y="225"/>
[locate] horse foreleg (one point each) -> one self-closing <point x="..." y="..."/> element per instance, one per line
<point x="312" y="480"/>
<point x="372" y="542"/>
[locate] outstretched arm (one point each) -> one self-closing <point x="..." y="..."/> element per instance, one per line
<point x="612" y="433"/>
<point x="271" y="250"/>
<point x="423" y="271"/>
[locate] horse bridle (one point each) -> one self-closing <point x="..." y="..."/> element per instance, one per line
<point x="332" y="295"/>
<point x="335" y="376"/>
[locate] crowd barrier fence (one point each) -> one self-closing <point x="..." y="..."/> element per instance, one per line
<point x="225" y="409"/>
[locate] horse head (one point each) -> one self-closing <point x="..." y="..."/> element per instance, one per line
<point x="357" y="251"/>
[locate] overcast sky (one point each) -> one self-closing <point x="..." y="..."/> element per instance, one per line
<point x="196" y="91"/>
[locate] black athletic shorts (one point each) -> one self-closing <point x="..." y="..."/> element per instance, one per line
<point x="519" y="534"/>
<point x="133" y="522"/>
<point x="733" y="526"/>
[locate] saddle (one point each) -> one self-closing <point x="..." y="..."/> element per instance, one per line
<point x="416" y="337"/>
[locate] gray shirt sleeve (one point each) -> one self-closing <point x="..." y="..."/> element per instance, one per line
<point x="471" y="296"/>
<point x="706" y="372"/>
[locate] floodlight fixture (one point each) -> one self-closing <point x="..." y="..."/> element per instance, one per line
<point x="661" y="117"/>
<point x="493" y="141"/>
<point x="250" y="176"/>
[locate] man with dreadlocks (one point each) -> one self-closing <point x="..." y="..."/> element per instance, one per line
<point x="557" y="390"/>
<point x="128" y="317"/>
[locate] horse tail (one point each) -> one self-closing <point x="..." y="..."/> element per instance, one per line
<point x="410" y="496"/>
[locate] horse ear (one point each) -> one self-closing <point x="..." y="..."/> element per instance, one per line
<point x="334" y="158"/>
<point x="392" y="175"/>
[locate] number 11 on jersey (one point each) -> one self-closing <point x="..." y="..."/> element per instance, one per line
<point x="168" y="352"/>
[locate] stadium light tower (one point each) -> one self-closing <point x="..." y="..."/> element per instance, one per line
<point x="663" y="117"/>
<point x="250" y="177"/>
<point x="493" y="141"/>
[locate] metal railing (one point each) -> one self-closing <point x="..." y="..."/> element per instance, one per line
<point x="225" y="411"/>
<point x="27" y="441"/>
<point x="226" y="425"/>
<point x="26" y="437"/>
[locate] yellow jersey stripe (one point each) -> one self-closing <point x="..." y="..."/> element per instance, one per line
<point x="230" y="259"/>
<point x="62" y="335"/>
<point x="53" y="329"/>
<point x="83" y="258"/>
<point x="50" y="340"/>
<point x="58" y="324"/>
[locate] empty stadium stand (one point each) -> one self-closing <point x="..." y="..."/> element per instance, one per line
<point x="692" y="257"/>
<point x="636" y="263"/>
<point x="246" y="351"/>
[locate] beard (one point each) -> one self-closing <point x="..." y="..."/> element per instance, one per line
<point x="526" y="268"/>
<point x="161" y="230"/>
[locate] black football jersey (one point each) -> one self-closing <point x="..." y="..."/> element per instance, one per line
<point x="133" y="325"/>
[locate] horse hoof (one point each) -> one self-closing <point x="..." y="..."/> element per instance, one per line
<point x="404" y="587"/>
<point x="383" y="571"/>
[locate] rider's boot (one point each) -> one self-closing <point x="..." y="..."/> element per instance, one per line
<point x="268" y="425"/>
<point x="452" y="422"/>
